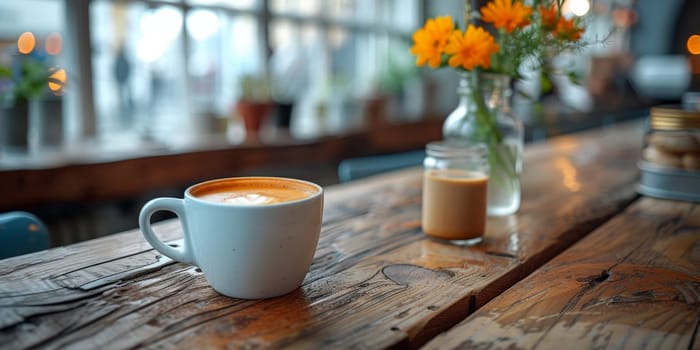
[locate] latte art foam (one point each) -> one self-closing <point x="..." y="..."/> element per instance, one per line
<point x="253" y="192"/>
<point x="250" y="199"/>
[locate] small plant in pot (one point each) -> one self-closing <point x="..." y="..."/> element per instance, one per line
<point x="254" y="103"/>
<point x="21" y="82"/>
<point x="289" y="73"/>
<point x="283" y="96"/>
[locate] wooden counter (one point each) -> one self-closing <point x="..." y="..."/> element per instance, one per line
<point x="96" y="172"/>
<point x="86" y="174"/>
<point x="586" y="262"/>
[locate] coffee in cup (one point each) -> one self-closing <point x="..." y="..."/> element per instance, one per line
<point x="252" y="237"/>
<point x="253" y="191"/>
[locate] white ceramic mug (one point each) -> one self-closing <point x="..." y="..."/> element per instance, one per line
<point x="245" y="251"/>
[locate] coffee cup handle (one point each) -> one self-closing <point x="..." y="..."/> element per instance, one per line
<point x="174" y="205"/>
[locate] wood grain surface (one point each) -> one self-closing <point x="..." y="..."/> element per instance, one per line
<point x="376" y="280"/>
<point x="632" y="284"/>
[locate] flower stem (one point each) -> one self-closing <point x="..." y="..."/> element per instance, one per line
<point x="467" y="12"/>
<point x="500" y="157"/>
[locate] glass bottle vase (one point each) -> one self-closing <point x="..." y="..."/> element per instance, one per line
<point x="484" y="116"/>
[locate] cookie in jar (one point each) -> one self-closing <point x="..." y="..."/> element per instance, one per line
<point x="674" y="138"/>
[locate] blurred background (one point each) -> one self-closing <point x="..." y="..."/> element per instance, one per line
<point x="102" y="82"/>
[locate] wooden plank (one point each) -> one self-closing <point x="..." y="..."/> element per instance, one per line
<point x="376" y="280"/>
<point x="632" y="284"/>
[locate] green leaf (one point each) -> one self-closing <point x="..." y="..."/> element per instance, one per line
<point x="574" y="78"/>
<point x="524" y="94"/>
<point x="5" y="72"/>
<point x="545" y="84"/>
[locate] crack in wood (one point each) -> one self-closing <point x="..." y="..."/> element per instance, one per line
<point x="636" y="298"/>
<point x="689" y="291"/>
<point x="693" y="339"/>
<point x="127" y="275"/>
<point x="104" y="262"/>
<point x="591" y="283"/>
<point x="118" y="313"/>
<point x="7" y="320"/>
<point x="502" y="254"/>
<point x="72" y="297"/>
<point x="10" y="295"/>
<point x="103" y="312"/>
<point x="670" y="224"/>
<point x="33" y="263"/>
<point x="595" y="279"/>
<point x="185" y="324"/>
<point x="472" y="304"/>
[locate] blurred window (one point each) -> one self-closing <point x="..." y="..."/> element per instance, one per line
<point x="138" y="67"/>
<point x="158" y="66"/>
<point x="31" y="30"/>
<point x="232" y="4"/>
<point x="355" y="46"/>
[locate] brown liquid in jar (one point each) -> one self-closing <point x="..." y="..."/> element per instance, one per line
<point x="454" y="204"/>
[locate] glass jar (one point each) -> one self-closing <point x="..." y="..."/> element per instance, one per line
<point x="455" y="183"/>
<point x="673" y="140"/>
<point x="484" y="116"/>
<point x="670" y="164"/>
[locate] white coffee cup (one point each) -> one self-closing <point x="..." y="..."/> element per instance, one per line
<point x="253" y="237"/>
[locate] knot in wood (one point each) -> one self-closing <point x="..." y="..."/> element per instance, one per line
<point x="408" y="274"/>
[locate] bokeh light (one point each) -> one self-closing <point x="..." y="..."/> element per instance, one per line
<point x="54" y="44"/>
<point x="26" y="43"/>
<point x="159" y="29"/>
<point x="57" y="80"/>
<point x="579" y="7"/>
<point x="693" y="44"/>
<point x="202" y="24"/>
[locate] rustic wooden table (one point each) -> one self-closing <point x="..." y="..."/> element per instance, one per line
<point x="586" y="263"/>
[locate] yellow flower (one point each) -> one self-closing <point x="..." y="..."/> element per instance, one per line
<point x="472" y="48"/>
<point x="506" y="14"/>
<point x="430" y="41"/>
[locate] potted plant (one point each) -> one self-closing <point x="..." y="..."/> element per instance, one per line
<point x="254" y="103"/>
<point x="289" y="72"/>
<point x="22" y="84"/>
<point x="389" y="92"/>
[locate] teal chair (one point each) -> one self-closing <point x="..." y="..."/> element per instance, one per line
<point x="21" y="233"/>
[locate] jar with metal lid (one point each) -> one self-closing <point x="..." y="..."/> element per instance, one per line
<point x="670" y="166"/>
<point x="674" y="138"/>
<point x="455" y="187"/>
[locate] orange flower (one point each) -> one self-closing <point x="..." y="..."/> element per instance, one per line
<point x="506" y="14"/>
<point x="429" y="42"/>
<point x="472" y="48"/>
<point x="567" y="30"/>
<point x="549" y="17"/>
